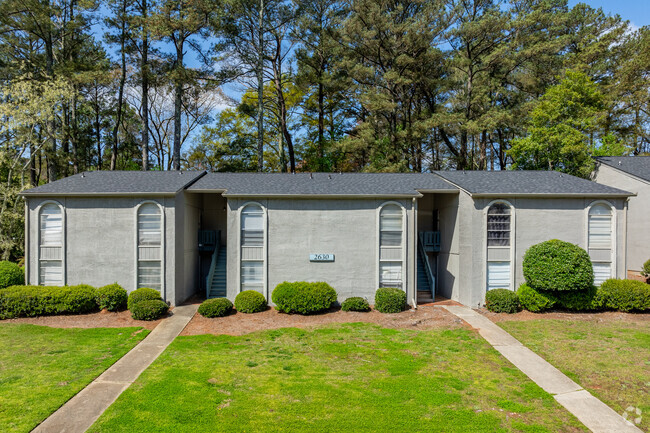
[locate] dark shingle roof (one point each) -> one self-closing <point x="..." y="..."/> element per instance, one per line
<point x="638" y="166"/>
<point x="334" y="184"/>
<point x="119" y="182"/>
<point x="518" y="182"/>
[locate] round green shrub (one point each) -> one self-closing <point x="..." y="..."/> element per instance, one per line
<point x="152" y="309"/>
<point x="390" y="300"/>
<point x="355" y="304"/>
<point x="303" y="297"/>
<point x="646" y="269"/>
<point x="579" y="300"/>
<point x="557" y="265"/>
<point x="215" y="307"/>
<point x="143" y="294"/>
<point x="625" y="295"/>
<point x="11" y="275"/>
<point x="112" y="297"/>
<point x="250" y="301"/>
<point x="502" y="301"/>
<point x="535" y="300"/>
<point x="78" y="299"/>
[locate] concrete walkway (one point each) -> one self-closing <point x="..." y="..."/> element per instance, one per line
<point x="593" y="413"/>
<point x="82" y="410"/>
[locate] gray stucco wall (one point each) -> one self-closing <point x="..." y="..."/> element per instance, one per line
<point x="100" y="241"/>
<point x="638" y="214"/>
<point x="300" y="227"/>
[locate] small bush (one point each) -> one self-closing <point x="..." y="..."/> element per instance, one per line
<point x="390" y="300"/>
<point x="215" y="307"/>
<point x="579" y="300"/>
<point x="355" y="304"/>
<point x="625" y="295"/>
<point x="302" y="297"/>
<point x="557" y="265"/>
<point x="112" y="297"/>
<point x="11" y="275"/>
<point x="250" y="301"/>
<point x="143" y="294"/>
<point x="502" y="301"/>
<point x="535" y="300"/>
<point x="30" y="301"/>
<point x="152" y="309"/>
<point x="646" y="269"/>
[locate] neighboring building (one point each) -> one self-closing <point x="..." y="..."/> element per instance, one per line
<point x="631" y="173"/>
<point x="183" y="233"/>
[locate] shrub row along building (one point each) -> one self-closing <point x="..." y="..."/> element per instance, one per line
<point x="453" y="233"/>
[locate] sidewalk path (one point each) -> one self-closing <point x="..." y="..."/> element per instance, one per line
<point x="593" y="413"/>
<point x="82" y="410"/>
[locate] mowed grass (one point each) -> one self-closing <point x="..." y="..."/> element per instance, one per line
<point x="41" y="367"/>
<point x="339" y="378"/>
<point x="611" y="360"/>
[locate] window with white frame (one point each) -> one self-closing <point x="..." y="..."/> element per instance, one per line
<point x="150" y="235"/>
<point x="499" y="244"/>
<point x="252" y="247"/>
<point x="50" y="254"/>
<point x="391" y="233"/>
<point x="600" y="240"/>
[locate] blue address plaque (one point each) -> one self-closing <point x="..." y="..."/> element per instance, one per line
<point x="321" y="257"/>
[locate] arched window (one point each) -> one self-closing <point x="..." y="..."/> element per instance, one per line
<point x="391" y="234"/>
<point x="600" y="240"/>
<point x="150" y="238"/>
<point x="50" y="255"/>
<point x="252" y="247"/>
<point x="499" y="244"/>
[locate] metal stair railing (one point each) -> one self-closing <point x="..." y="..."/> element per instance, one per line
<point x="427" y="267"/>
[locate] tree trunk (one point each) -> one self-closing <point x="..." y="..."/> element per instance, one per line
<point x="178" y="105"/>
<point x="482" y="146"/>
<point x="144" y="70"/>
<point x="120" y="94"/>
<point x="260" y="90"/>
<point x="75" y="131"/>
<point x="321" y="122"/>
<point x="51" y="124"/>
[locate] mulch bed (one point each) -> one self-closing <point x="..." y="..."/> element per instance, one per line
<point x="425" y="317"/>
<point x="604" y="317"/>
<point x="103" y="319"/>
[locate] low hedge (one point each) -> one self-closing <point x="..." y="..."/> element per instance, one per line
<point x="558" y="266"/>
<point x="11" y="275"/>
<point x="303" y="297"/>
<point x="152" y="309"/>
<point x="250" y="301"/>
<point x="112" y="297"/>
<point x="535" y="300"/>
<point x="215" y="307"/>
<point x="579" y="300"/>
<point x="502" y="301"/>
<point x="143" y="294"/>
<point x="390" y="300"/>
<point x="625" y="295"/>
<point x="355" y="304"/>
<point x="17" y="301"/>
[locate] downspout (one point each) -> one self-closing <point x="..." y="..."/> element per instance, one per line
<point x="413" y="251"/>
<point x="627" y="201"/>
<point x="27" y="257"/>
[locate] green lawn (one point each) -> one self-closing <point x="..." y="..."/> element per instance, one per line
<point x="612" y="360"/>
<point x="41" y="368"/>
<point x="338" y="378"/>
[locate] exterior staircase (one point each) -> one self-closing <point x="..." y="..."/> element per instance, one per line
<point x="216" y="281"/>
<point x="425" y="277"/>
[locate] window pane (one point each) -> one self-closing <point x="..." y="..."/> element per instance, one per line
<point x="390" y="239"/>
<point x="252" y="238"/>
<point x="51" y="272"/>
<point x="600" y="209"/>
<point x="51" y="225"/>
<point x="252" y="274"/>
<point x="390" y="274"/>
<point x="600" y="231"/>
<point x="602" y="272"/>
<point x="149" y="274"/>
<point x="149" y="230"/>
<point x="498" y="225"/>
<point x="252" y="221"/>
<point x="498" y="275"/>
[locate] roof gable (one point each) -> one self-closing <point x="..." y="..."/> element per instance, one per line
<point x="638" y="166"/>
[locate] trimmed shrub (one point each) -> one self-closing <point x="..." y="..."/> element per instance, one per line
<point x="250" y="301"/>
<point x="646" y="269"/>
<point x="355" y="304"/>
<point x="557" y="265"/>
<point x="625" y="295"/>
<point x="302" y="297"/>
<point x="215" y="307"/>
<point x="152" y="309"/>
<point x="390" y="300"/>
<point x="143" y="294"/>
<point x="579" y="300"/>
<point x="112" y="297"/>
<point x="30" y="301"/>
<point x="535" y="300"/>
<point x="11" y="275"/>
<point x="502" y="301"/>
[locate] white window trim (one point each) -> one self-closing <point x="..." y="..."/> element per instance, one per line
<point x="402" y="246"/>
<point x="63" y="241"/>
<point x="612" y="256"/>
<point x="163" y="233"/>
<point x="513" y="242"/>
<point x="265" y="267"/>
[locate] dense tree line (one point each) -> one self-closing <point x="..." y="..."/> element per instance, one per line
<point x="321" y="85"/>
